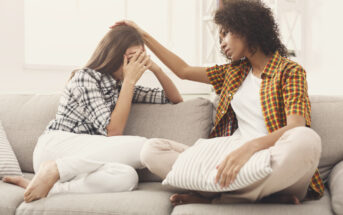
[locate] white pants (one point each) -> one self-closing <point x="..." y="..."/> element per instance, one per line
<point x="90" y="163"/>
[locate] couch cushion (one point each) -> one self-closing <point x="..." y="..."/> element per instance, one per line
<point x="185" y="122"/>
<point x="149" y="198"/>
<point x="24" y="118"/>
<point x="195" y="168"/>
<point x="11" y="197"/>
<point x="336" y="188"/>
<point x="317" y="207"/>
<point x="327" y="121"/>
<point x="8" y="162"/>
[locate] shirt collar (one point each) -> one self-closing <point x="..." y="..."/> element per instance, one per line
<point x="272" y="64"/>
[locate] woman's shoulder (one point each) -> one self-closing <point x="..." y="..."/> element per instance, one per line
<point x="290" y="67"/>
<point x="85" y="75"/>
<point x="90" y="78"/>
<point x="229" y="66"/>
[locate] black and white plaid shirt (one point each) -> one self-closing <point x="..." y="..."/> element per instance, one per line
<point x="89" y="99"/>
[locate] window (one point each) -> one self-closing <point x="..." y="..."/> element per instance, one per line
<point x="63" y="34"/>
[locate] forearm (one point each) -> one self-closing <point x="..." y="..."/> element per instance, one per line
<point x="120" y="114"/>
<point x="169" y="87"/>
<point x="270" y="139"/>
<point x="171" y="60"/>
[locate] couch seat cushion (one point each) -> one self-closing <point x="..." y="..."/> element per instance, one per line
<point x="11" y="197"/>
<point x="149" y="198"/>
<point x="318" y="207"/>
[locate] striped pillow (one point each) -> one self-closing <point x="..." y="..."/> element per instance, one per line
<point x="8" y="162"/>
<point x="195" y="168"/>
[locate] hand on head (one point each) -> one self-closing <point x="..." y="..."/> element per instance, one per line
<point x="129" y="23"/>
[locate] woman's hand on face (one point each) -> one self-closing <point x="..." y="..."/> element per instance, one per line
<point x="129" y="23"/>
<point x="232" y="164"/>
<point x="134" y="69"/>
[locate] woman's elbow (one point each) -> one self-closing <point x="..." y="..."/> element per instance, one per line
<point x="114" y="132"/>
<point x="177" y="100"/>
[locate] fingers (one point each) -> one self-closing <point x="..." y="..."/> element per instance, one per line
<point x="227" y="173"/>
<point x="220" y="171"/>
<point x="230" y="174"/>
<point x="125" y="60"/>
<point x="141" y="57"/>
<point x="121" y="22"/>
<point x="124" y="22"/>
<point x="225" y="176"/>
<point x="146" y="60"/>
<point x="135" y="56"/>
<point x="234" y="175"/>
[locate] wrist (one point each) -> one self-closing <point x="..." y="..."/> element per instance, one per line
<point x="156" y="70"/>
<point x="144" y="34"/>
<point x="129" y="82"/>
<point x="253" y="145"/>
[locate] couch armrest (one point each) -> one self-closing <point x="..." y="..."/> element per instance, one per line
<point x="336" y="188"/>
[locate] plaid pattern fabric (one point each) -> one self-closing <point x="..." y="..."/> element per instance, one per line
<point x="283" y="92"/>
<point x="89" y="99"/>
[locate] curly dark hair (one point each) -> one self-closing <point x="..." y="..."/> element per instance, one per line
<point x="253" y="21"/>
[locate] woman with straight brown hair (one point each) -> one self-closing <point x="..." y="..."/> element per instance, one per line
<point x="82" y="150"/>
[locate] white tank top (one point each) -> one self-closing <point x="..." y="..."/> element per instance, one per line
<point x="246" y="104"/>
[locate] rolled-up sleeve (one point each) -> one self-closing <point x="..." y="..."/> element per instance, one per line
<point x="90" y="99"/>
<point x="216" y="75"/>
<point x="295" y="94"/>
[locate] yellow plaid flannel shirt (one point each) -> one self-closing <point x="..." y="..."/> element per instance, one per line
<point x="283" y="92"/>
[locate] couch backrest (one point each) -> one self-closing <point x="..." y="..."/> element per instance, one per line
<point x="25" y="117"/>
<point x="327" y="121"/>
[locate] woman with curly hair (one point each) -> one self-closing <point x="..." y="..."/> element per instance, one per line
<point x="263" y="100"/>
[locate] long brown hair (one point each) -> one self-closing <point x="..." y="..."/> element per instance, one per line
<point x="108" y="56"/>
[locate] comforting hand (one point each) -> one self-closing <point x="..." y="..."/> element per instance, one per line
<point x="134" y="69"/>
<point x="129" y="23"/>
<point x="229" y="168"/>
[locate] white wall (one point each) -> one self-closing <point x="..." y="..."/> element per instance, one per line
<point x="323" y="54"/>
<point x="324" y="46"/>
<point x="15" y="76"/>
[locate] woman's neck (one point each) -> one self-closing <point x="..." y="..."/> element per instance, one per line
<point x="258" y="61"/>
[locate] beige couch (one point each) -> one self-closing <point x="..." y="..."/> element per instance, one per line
<point x="24" y="117"/>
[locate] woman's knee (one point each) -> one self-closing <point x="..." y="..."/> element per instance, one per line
<point x="150" y="149"/>
<point x="306" y="142"/>
<point x="125" y="179"/>
<point x="130" y="179"/>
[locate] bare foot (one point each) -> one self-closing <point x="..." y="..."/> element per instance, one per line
<point x="281" y="198"/>
<point x="17" y="180"/>
<point x="189" y="198"/>
<point x="43" y="181"/>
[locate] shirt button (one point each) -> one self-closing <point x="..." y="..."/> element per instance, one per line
<point x="223" y="112"/>
<point x="230" y="94"/>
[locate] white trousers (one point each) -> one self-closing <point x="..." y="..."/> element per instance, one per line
<point x="91" y="163"/>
